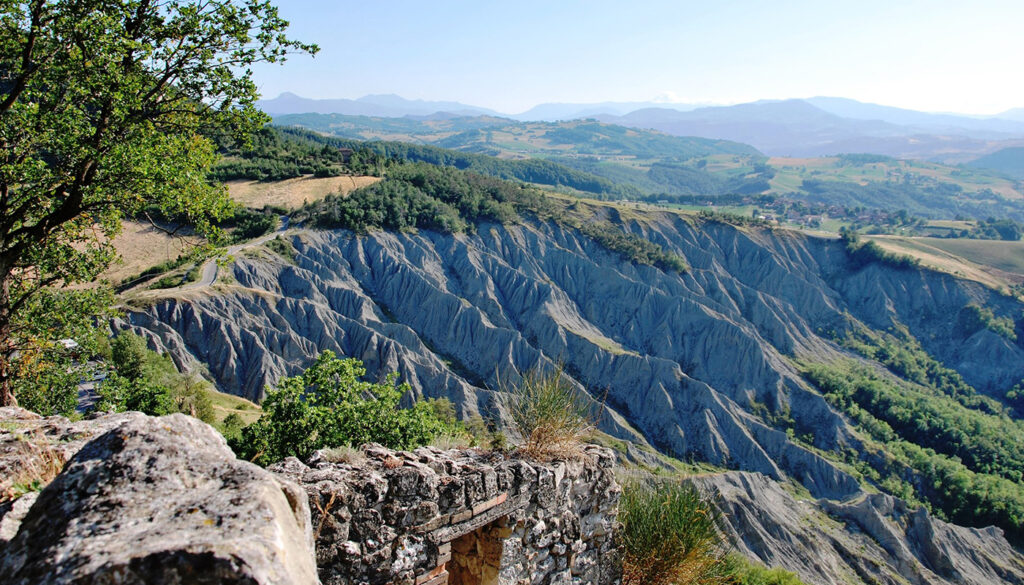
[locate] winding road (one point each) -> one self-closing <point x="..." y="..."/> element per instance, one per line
<point x="211" y="268"/>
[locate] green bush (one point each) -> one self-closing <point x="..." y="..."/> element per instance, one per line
<point x="863" y="253"/>
<point x="282" y="247"/>
<point x="167" y="266"/>
<point x="169" y="281"/>
<point x="329" y="406"/>
<point x="634" y="247"/>
<point x="120" y="393"/>
<point x="670" y="536"/>
<point x="743" y="572"/>
<point x="973" y="318"/>
<point x="251" y="224"/>
<point x="51" y="390"/>
<point x="145" y="381"/>
<point x="231" y="427"/>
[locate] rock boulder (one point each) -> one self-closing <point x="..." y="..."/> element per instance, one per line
<point x="161" y="501"/>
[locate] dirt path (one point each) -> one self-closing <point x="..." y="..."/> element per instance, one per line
<point x="210" y="267"/>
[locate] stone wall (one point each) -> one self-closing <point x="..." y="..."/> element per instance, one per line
<point x="431" y="517"/>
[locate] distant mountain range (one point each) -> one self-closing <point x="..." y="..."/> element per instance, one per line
<point x="818" y="126"/>
<point x="387" y="105"/>
<point x="826" y="126"/>
<point x="557" y="112"/>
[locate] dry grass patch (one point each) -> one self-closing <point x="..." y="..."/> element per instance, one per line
<point x="994" y="263"/>
<point x="38" y="461"/>
<point x="551" y="417"/>
<point x="294" y="193"/>
<point x="344" y="454"/>
<point x="142" y="245"/>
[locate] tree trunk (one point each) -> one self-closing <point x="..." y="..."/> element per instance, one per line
<point x="7" y="397"/>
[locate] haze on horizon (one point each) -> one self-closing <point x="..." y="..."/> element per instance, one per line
<point x="940" y="56"/>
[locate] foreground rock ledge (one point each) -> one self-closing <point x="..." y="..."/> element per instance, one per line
<point x="159" y="501"/>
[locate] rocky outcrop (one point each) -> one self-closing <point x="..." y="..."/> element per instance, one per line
<point x="870" y="538"/>
<point x="462" y="516"/>
<point x="150" y="500"/>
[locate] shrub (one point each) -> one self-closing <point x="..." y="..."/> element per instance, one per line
<point x="282" y="247"/>
<point x="170" y="281"/>
<point x="973" y="318"/>
<point x="119" y="393"/>
<point x="191" y="396"/>
<point x="863" y="253"/>
<point x="251" y="224"/>
<point x="231" y="426"/>
<point x="548" y="414"/>
<point x="128" y="355"/>
<point x="746" y="573"/>
<point x="148" y="382"/>
<point x="50" y="388"/>
<point x="329" y="406"/>
<point x="670" y="535"/>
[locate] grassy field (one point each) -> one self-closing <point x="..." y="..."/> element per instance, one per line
<point x="790" y="172"/>
<point x="293" y="193"/>
<point x="142" y="245"/>
<point x="992" y="262"/>
<point x="226" y="404"/>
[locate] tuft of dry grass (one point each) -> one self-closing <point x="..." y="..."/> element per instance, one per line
<point x="446" y="441"/>
<point x="344" y="454"/>
<point x="550" y="416"/>
<point x="38" y="462"/>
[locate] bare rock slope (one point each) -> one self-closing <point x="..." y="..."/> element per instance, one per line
<point x="698" y="365"/>
<point x="687" y="362"/>
<point x="871" y="538"/>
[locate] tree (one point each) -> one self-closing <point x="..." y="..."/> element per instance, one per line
<point x="108" y="107"/>
<point x="329" y="406"/>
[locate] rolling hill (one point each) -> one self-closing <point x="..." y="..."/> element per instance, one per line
<point x="1009" y="161"/>
<point x="613" y="162"/>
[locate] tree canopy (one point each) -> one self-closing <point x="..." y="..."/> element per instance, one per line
<point x="107" y="107"/>
<point x="328" y="405"/>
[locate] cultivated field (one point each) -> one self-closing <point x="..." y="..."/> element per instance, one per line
<point x="790" y="173"/>
<point x="992" y="262"/>
<point x="293" y="193"/>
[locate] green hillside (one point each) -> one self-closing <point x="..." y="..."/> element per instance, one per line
<point x="510" y="139"/>
<point x="620" y="162"/>
<point x="1009" y="161"/>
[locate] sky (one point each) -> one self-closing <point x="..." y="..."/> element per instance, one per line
<point x="938" y="55"/>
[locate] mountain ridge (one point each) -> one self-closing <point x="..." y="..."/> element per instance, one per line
<point x="798" y="127"/>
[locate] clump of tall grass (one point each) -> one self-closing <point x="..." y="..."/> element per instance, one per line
<point x="549" y="414"/>
<point x="670" y="536"/>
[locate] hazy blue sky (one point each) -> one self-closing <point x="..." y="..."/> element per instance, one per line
<point x="939" y="55"/>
